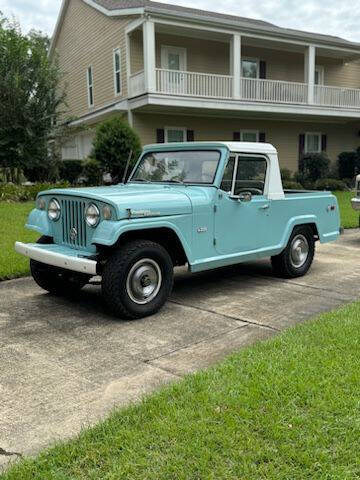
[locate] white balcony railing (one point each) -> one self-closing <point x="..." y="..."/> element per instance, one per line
<point x="275" y="91"/>
<point x="194" y="84"/>
<point x="337" y="97"/>
<point x="137" y="84"/>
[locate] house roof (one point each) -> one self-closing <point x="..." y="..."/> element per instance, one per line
<point x="194" y="13"/>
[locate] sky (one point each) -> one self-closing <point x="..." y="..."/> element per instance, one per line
<point x="332" y="17"/>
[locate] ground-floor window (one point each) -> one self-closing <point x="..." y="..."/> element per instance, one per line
<point x="249" y="135"/>
<point x="312" y="142"/>
<point x="175" y="134"/>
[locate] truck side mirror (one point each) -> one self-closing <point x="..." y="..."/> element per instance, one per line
<point x="243" y="197"/>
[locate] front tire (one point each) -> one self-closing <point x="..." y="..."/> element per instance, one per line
<point x="56" y="281"/>
<point x="296" y="259"/>
<point x="137" y="279"/>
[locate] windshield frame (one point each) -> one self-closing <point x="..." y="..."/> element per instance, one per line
<point x="170" y="182"/>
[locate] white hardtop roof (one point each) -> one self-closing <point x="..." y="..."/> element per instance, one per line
<point x="243" y="147"/>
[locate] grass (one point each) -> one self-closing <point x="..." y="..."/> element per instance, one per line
<point x="284" y="409"/>
<point x="13" y="217"/>
<point x="349" y="217"/>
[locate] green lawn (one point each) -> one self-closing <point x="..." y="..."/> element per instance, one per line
<point x="12" y="220"/>
<point x="349" y="218"/>
<point x="284" y="409"/>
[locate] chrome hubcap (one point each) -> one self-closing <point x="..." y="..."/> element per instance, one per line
<point x="144" y="281"/>
<point x="299" y="251"/>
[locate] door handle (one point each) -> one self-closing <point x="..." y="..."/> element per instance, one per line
<point x="264" y="207"/>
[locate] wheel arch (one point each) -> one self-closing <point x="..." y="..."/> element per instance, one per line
<point x="305" y="221"/>
<point x="165" y="236"/>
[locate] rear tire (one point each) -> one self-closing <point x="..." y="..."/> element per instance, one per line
<point x="137" y="279"/>
<point x="296" y="259"/>
<point x="54" y="280"/>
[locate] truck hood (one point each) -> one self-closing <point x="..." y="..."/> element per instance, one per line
<point x="142" y="200"/>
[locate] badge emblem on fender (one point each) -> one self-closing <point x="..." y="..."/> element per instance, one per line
<point x="73" y="233"/>
<point x="202" y="230"/>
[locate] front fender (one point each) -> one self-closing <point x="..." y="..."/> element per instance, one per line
<point x="109" y="232"/>
<point x="38" y="221"/>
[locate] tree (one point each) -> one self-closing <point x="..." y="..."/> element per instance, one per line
<point x="113" y="141"/>
<point x="31" y="99"/>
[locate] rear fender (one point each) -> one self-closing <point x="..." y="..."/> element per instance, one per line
<point x="301" y="220"/>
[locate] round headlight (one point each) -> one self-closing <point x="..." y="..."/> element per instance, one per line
<point x="40" y="203"/>
<point x="54" y="210"/>
<point x="107" y="213"/>
<point x="92" y="215"/>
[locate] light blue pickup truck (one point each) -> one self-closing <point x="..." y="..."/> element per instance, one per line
<point x="204" y="205"/>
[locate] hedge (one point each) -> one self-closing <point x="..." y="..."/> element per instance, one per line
<point x="23" y="193"/>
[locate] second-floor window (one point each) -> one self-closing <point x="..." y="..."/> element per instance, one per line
<point x="250" y="68"/>
<point x="117" y="71"/>
<point x="90" y="86"/>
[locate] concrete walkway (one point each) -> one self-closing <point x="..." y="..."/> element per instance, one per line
<point x="66" y="363"/>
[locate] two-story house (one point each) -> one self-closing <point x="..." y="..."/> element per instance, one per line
<point x="182" y="74"/>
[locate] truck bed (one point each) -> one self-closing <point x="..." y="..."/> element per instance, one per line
<point x="292" y="192"/>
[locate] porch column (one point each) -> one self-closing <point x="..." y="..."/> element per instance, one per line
<point x="310" y="54"/>
<point x="149" y="55"/>
<point x="235" y="52"/>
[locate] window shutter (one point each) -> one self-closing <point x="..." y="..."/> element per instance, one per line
<point x="262" y="69"/>
<point x="262" y="137"/>
<point x="323" y="143"/>
<point x="301" y="144"/>
<point x="190" y="136"/>
<point x="236" y="136"/>
<point x="160" y="135"/>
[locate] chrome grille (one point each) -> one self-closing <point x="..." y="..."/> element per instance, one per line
<point x="73" y="221"/>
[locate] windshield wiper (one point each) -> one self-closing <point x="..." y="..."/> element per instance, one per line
<point x="140" y="180"/>
<point x="173" y="181"/>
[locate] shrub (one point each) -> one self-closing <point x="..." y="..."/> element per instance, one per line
<point x="291" y="185"/>
<point x="349" y="182"/>
<point x="330" y="184"/>
<point x="348" y="164"/>
<point x="92" y="172"/>
<point x="112" y="143"/>
<point x="313" y="166"/>
<point x="70" y="170"/>
<point x="286" y="174"/>
<point x="22" y="193"/>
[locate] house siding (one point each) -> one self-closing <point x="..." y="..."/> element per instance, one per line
<point x="88" y="37"/>
<point x="203" y="56"/>
<point x="283" y="135"/>
<point x="136" y="52"/>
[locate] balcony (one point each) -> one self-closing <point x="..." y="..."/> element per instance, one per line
<point x="204" y="85"/>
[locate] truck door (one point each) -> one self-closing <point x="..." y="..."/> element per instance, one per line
<point x="241" y="226"/>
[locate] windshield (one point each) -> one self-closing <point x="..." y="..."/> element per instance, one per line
<point x="185" y="166"/>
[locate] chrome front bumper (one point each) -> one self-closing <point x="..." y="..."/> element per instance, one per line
<point x="355" y="203"/>
<point x="50" y="255"/>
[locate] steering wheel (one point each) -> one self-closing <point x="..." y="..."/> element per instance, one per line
<point x="252" y="190"/>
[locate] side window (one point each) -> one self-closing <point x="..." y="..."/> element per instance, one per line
<point x="228" y="175"/>
<point x="250" y="175"/>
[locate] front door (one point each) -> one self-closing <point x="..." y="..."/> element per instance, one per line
<point x="242" y="227"/>
<point x="173" y="60"/>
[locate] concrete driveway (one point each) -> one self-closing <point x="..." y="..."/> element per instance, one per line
<point x="66" y="364"/>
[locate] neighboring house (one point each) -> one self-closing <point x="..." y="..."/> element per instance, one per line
<point x="181" y="74"/>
